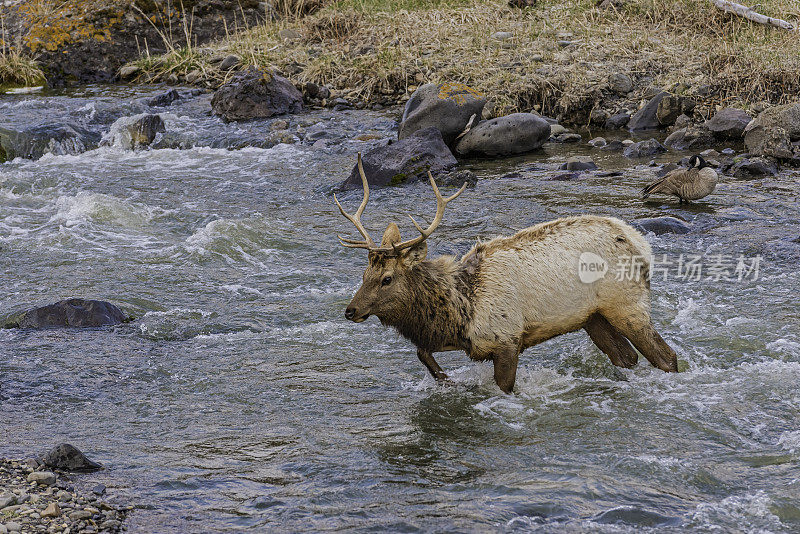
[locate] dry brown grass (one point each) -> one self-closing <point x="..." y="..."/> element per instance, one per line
<point x="17" y="69"/>
<point x="366" y="50"/>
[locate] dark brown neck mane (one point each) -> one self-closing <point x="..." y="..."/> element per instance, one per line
<point x="440" y="307"/>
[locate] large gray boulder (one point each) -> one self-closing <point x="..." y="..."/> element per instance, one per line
<point x="68" y="458"/>
<point x="504" y="136"/>
<point x="773" y="131"/>
<point x="53" y="138"/>
<point x="405" y="161"/>
<point x="73" y="312"/>
<point x="647" y="117"/>
<point x="447" y="107"/>
<point x="255" y="94"/>
<point x="728" y="123"/>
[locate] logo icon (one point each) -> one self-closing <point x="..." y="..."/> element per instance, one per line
<point x="591" y="267"/>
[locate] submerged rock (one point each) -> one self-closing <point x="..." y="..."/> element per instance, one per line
<point x="728" y="123"/>
<point x="752" y="167"/>
<point x="513" y="134"/>
<point x="254" y="94"/>
<point x="53" y="138"/>
<point x="73" y="312"/>
<point x="643" y="149"/>
<point x="579" y="163"/>
<point x="164" y="99"/>
<point x="405" y="161"/>
<point x="662" y="225"/>
<point x="68" y="458"/>
<point x="448" y="107"/>
<point x="773" y="131"/>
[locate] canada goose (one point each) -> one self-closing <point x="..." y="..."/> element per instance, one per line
<point x="693" y="183"/>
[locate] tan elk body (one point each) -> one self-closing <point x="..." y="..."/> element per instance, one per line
<point x="510" y="293"/>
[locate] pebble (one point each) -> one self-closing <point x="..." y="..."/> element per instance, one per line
<point x="13" y="526"/>
<point x="64" y="496"/>
<point x="45" y="478"/>
<point x="52" y="510"/>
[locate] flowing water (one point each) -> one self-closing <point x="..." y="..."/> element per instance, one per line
<point x="241" y="400"/>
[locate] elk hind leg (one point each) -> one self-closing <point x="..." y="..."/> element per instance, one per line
<point x="642" y="334"/>
<point x="610" y="341"/>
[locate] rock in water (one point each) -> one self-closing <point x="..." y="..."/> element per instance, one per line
<point x="405" y="161"/>
<point x="662" y="225"/>
<point x="143" y="131"/>
<point x="73" y="312"/>
<point x="579" y="163"/>
<point x="68" y="458"/>
<point x="728" y="123"/>
<point x="54" y="138"/>
<point x="647" y="117"/>
<point x="254" y="94"/>
<point x="643" y="149"/>
<point x="689" y="137"/>
<point x="773" y="132"/>
<point x="164" y="99"/>
<point x="513" y="134"/>
<point x="448" y="107"/>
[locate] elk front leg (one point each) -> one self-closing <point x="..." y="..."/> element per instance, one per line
<point x="505" y="367"/>
<point x="429" y="361"/>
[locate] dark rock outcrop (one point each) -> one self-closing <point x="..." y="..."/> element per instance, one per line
<point x="504" y="136"/>
<point x="54" y="138"/>
<point x="647" y="117"/>
<point x="254" y="94"/>
<point x="405" y="161"/>
<point x="73" y="312"/>
<point x="89" y="41"/>
<point x="728" y="123"/>
<point x="620" y="120"/>
<point x="68" y="458"/>
<point x="447" y="107"/>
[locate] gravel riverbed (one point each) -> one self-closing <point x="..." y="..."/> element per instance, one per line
<point x="33" y="499"/>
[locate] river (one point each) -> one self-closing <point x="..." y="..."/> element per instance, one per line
<point x="241" y="400"/>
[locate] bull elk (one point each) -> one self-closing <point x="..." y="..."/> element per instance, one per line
<point x="510" y="293"/>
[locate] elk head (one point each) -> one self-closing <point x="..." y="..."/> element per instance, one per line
<point x="386" y="289"/>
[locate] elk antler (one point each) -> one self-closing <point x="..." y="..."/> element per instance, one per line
<point x="440" y="205"/>
<point x="368" y="243"/>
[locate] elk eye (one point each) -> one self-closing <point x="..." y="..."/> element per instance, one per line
<point x="386" y="280"/>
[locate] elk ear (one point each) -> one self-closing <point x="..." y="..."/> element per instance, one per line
<point x="415" y="254"/>
<point x="391" y="236"/>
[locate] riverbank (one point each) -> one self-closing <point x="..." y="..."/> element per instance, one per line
<point x="35" y="499"/>
<point x="573" y="60"/>
<point x="576" y="60"/>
